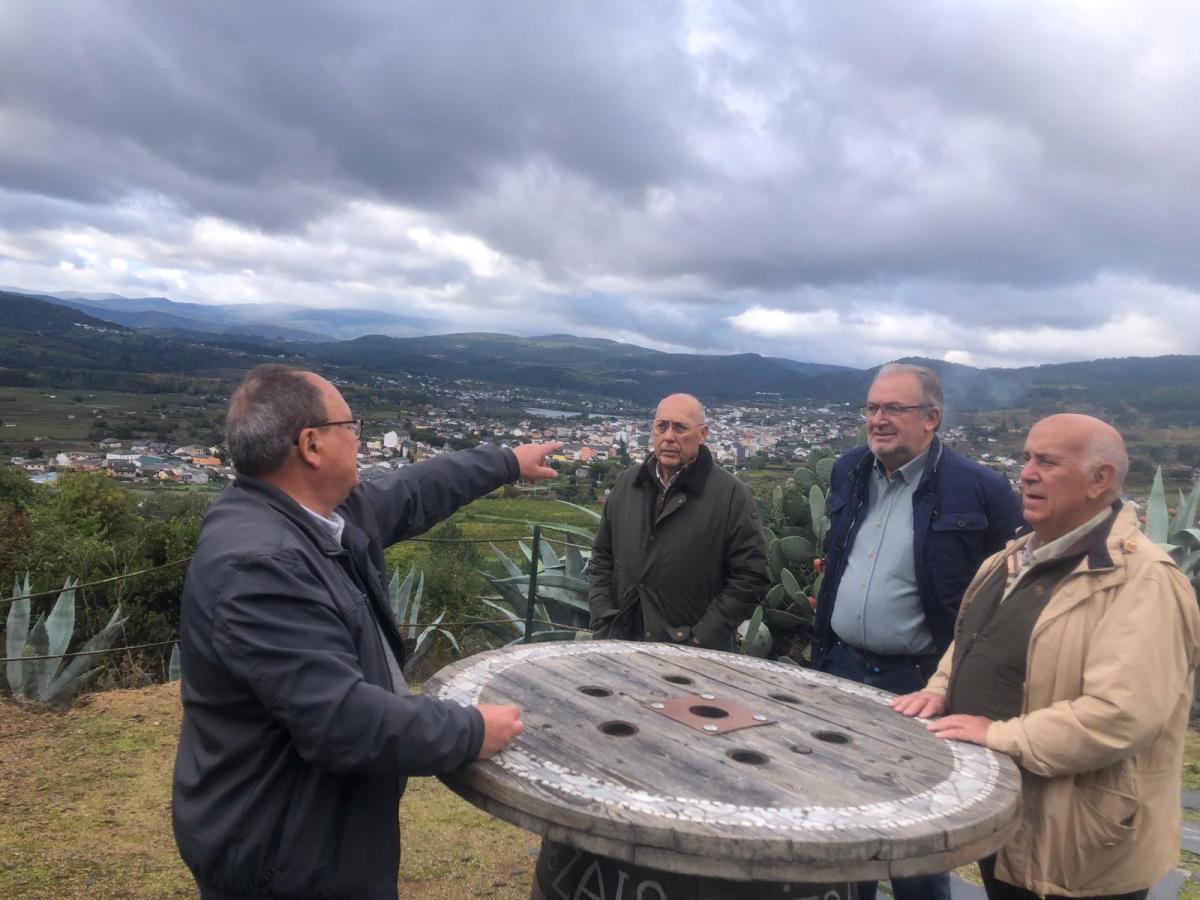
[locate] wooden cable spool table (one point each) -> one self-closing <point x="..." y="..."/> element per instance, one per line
<point x="658" y="771"/>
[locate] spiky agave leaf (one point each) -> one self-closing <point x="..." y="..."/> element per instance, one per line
<point x="517" y="622"/>
<point x="510" y="593"/>
<point x="17" y="633"/>
<point x="36" y="645"/>
<point x="421" y="645"/>
<point x="590" y="513"/>
<point x="509" y="566"/>
<point x="59" y="628"/>
<point x="573" y="562"/>
<point x="549" y="558"/>
<point x="399" y="593"/>
<point x="1157" y="520"/>
<point x="69" y="680"/>
<point x="1187" y="515"/>
<point x="415" y="608"/>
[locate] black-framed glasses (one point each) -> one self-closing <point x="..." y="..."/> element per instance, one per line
<point x="892" y="410"/>
<point x="662" y="426"/>
<point x="355" y="425"/>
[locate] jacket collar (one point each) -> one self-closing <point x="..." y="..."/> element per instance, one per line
<point x="1106" y="543"/>
<point x="691" y="480"/>
<point x="1103" y="562"/>
<point x="932" y="461"/>
<point x="283" y="504"/>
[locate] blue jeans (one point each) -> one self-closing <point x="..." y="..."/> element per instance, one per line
<point x="900" y="675"/>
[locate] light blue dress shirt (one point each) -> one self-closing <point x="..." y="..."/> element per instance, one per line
<point x="878" y="607"/>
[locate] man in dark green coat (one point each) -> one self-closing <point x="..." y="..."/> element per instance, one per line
<point x="679" y="556"/>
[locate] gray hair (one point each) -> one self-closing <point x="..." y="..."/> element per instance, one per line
<point x="1108" y="448"/>
<point x="931" y="385"/>
<point x="267" y="411"/>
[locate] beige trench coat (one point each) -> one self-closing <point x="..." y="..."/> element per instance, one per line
<point x="1108" y="686"/>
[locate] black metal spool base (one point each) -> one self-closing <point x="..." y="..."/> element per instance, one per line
<point x="566" y="873"/>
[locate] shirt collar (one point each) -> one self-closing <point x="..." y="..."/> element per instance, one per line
<point x="335" y="524"/>
<point x="666" y="483"/>
<point x="1034" y="553"/>
<point x="910" y="471"/>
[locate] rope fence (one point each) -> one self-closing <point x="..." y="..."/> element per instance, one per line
<point x="497" y="539"/>
<point x="536" y="538"/>
<point x="121" y="577"/>
<point x="419" y="626"/>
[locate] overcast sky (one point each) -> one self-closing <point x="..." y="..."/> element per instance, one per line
<point x="997" y="183"/>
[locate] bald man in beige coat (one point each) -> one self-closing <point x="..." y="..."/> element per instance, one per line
<point x="1075" y="651"/>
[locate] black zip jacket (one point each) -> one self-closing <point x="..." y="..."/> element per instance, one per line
<point x="295" y="742"/>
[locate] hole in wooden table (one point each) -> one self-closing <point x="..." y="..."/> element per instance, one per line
<point x="832" y="737"/>
<point x="594" y="690"/>
<point x="618" y="729"/>
<point x="749" y="757"/>
<point x="708" y="712"/>
<point x="677" y="679"/>
<point x="784" y="698"/>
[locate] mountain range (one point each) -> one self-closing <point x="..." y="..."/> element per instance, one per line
<point x="146" y="343"/>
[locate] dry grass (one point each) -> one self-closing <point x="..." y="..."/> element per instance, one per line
<point x="85" y="806"/>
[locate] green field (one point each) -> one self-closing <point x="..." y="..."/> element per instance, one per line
<point x="60" y="420"/>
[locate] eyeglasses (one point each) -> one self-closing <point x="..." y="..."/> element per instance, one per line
<point x="891" y="410"/>
<point x="355" y="425"/>
<point x="662" y="426"/>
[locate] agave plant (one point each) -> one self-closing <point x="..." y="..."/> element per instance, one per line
<point x="1178" y="536"/>
<point x="406" y="606"/>
<point x="54" y="679"/>
<point x="560" y="610"/>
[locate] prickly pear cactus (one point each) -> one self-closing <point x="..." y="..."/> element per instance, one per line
<point x="795" y="522"/>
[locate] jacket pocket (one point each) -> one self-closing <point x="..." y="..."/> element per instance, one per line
<point x="966" y="520"/>
<point x="1101" y="823"/>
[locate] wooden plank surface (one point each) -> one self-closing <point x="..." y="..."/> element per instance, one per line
<point x="838" y="785"/>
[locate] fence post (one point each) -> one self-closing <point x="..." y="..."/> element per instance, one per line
<point x="534" y="558"/>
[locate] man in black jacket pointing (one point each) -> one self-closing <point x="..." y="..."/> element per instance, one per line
<point x="298" y="730"/>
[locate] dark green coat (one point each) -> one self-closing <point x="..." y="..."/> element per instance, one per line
<point x="688" y="574"/>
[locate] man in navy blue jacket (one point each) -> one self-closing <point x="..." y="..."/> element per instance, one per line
<point x="298" y="730"/>
<point x="910" y="522"/>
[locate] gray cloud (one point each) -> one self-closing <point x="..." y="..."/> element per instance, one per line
<point x="1016" y="179"/>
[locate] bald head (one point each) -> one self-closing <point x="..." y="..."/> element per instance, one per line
<point x="1093" y="442"/>
<point x="682" y="402"/>
<point x="677" y="432"/>
<point x="1075" y="466"/>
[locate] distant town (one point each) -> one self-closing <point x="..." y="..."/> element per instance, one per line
<point x="739" y="436"/>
